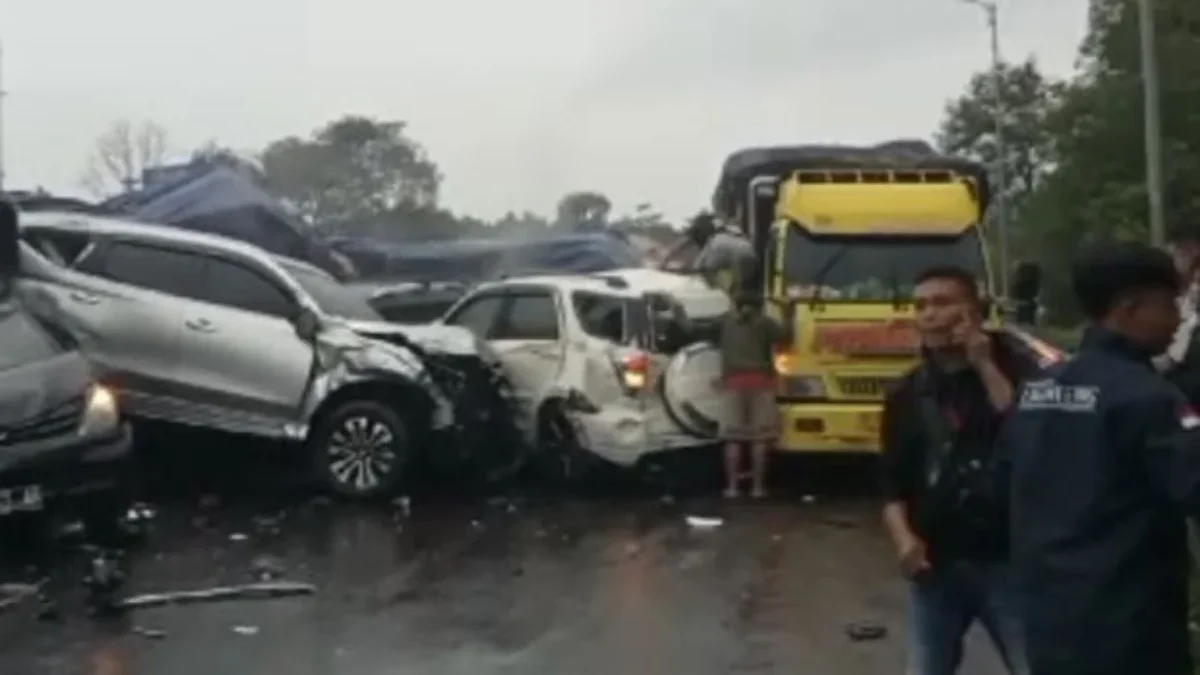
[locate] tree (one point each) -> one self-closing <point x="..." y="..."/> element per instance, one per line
<point x="1029" y="99"/>
<point x="354" y="169"/>
<point x="214" y="153"/>
<point x="583" y="208"/>
<point x="120" y="155"/>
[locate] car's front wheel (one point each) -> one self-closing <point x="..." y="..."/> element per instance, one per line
<point x="361" y="449"/>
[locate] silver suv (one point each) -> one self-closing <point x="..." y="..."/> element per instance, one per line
<point x="207" y="331"/>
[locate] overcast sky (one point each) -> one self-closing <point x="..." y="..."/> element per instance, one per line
<point x="519" y="101"/>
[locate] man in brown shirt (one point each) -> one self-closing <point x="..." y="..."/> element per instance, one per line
<point x="749" y="413"/>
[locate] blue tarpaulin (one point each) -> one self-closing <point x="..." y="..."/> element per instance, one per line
<point x="478" y="259"/>
<point x="218" y="199"/>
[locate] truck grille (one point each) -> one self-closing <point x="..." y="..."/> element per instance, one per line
<point x="55" y="422"/>
<point x="872" y="387"/>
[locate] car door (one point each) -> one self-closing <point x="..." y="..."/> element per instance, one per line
<point x="524" y="328"/>
<point x="124" y="303"/>
<point x="240" y="350"/>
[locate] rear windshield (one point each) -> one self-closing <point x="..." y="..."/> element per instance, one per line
<point x="605" y="317"/>
<point x="23" y="340"/>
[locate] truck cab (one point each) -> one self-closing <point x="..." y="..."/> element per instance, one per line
<point x="842" y="233"/>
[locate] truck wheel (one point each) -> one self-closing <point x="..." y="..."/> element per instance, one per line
<point x="361" y="449"/>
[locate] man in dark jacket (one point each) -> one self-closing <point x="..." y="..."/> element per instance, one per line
<point x="750" y="413"/>
<point x="1181" y="360"/>
<point x="1104" y="459"/>
<point x="942" y="510"/>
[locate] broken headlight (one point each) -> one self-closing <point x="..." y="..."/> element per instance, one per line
<point x="101" y="414"/>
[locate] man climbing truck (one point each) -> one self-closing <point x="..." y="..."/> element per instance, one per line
<point x="841" y="233"/>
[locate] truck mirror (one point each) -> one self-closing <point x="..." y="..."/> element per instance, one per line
<point x="1025" y="288"/>
<point x="1026" y="283"/>
<point x="9" y="248"/>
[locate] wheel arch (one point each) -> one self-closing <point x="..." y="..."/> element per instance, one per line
<point x="410" y="401"/>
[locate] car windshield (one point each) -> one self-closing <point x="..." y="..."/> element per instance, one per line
<point x="875" y="269"/>
<point x="22" y="339"/>
<point x="334" y="297"/>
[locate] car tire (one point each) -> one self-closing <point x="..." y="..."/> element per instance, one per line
<point x="362" y="449"/>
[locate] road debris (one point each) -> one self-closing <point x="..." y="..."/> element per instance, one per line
<point x="256" y="591"/>
<point x="13" y="594"/>
<point x="809" y="499"/>
<point x="239" y="536"/>
<point x="866" y="631"/>
<point x="266" y="568"/>
<point x="704" y="522"/>
<point x="246" y="630"/>
<point x="149" y="633"/>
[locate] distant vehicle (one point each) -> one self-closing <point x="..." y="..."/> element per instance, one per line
<point x="208" y="331"/>
<point x="602" y="365"/>
<point x="63" y="444"/>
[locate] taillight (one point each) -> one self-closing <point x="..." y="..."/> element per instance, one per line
<point x="635" y="371"/>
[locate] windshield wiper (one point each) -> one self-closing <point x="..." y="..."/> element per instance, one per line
<point x="819" y="277"/>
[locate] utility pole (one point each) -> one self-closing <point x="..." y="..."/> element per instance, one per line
<point x="1000" y="170"/>
<point x="1152" y="121"/>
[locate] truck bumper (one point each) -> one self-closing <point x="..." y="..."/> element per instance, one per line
<point x="824" y="427"/>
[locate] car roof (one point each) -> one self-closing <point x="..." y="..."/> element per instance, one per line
<point x="117" y="227"/>
<point x="631" y="282"/>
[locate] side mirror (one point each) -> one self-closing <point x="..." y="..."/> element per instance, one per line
<point x="307" y="324"/>
<point x="1025" y="287"/>
<point x="10" y="251"/>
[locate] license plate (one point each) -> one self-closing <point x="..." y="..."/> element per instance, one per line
<point x="26" y="498"/>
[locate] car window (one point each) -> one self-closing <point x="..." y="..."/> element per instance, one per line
<point x="477" y="315"/>
<point x="64" y="248"/>
<point x="156" y="269"/>
<point x="23" y="339"/>
<point x="332" y="296"/>
<point x="528" y="316"/>
<point x="601" y="316"/>
<point x="236" y="285"/>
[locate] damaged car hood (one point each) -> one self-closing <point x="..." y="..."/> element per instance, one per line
<point x="453" y="340"/>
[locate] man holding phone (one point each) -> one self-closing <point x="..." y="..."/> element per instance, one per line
<point x="942" y="510"/>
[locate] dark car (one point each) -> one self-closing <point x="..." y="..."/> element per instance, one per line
<point x="62" y="440"/>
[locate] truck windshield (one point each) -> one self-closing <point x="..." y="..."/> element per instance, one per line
<point x="872" y="269"/>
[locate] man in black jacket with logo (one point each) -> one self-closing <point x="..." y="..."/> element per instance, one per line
<point x="1104" y="458"/>
<point x="942" y="508"/>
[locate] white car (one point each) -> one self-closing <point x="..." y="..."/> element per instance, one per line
<point x="601" y="364"/>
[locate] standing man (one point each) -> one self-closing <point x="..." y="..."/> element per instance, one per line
<point x="942" y="510"/>
<point x="1181" y="360"/>
<point x="749" y="411"/>
<point x="726" y="260"/>
<point x="1104" y="461"/>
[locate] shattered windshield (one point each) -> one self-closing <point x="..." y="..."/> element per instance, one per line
<point x="334" y="297"/>
<point x="872" y="269"/>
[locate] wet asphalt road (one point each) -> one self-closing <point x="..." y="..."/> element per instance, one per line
<point x="520" y="585"/>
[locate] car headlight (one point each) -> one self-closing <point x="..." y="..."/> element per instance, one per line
<point x="101" y="415"/>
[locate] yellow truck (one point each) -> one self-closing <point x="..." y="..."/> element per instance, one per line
<point x="842" y="232"/>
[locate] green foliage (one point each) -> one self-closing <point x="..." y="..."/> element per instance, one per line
<point x="353" y="172"/>
<point x="1076" y="149"/>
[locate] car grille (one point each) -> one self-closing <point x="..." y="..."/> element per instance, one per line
<point x="871" y="387"/>
<point x="61" y="420"/>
